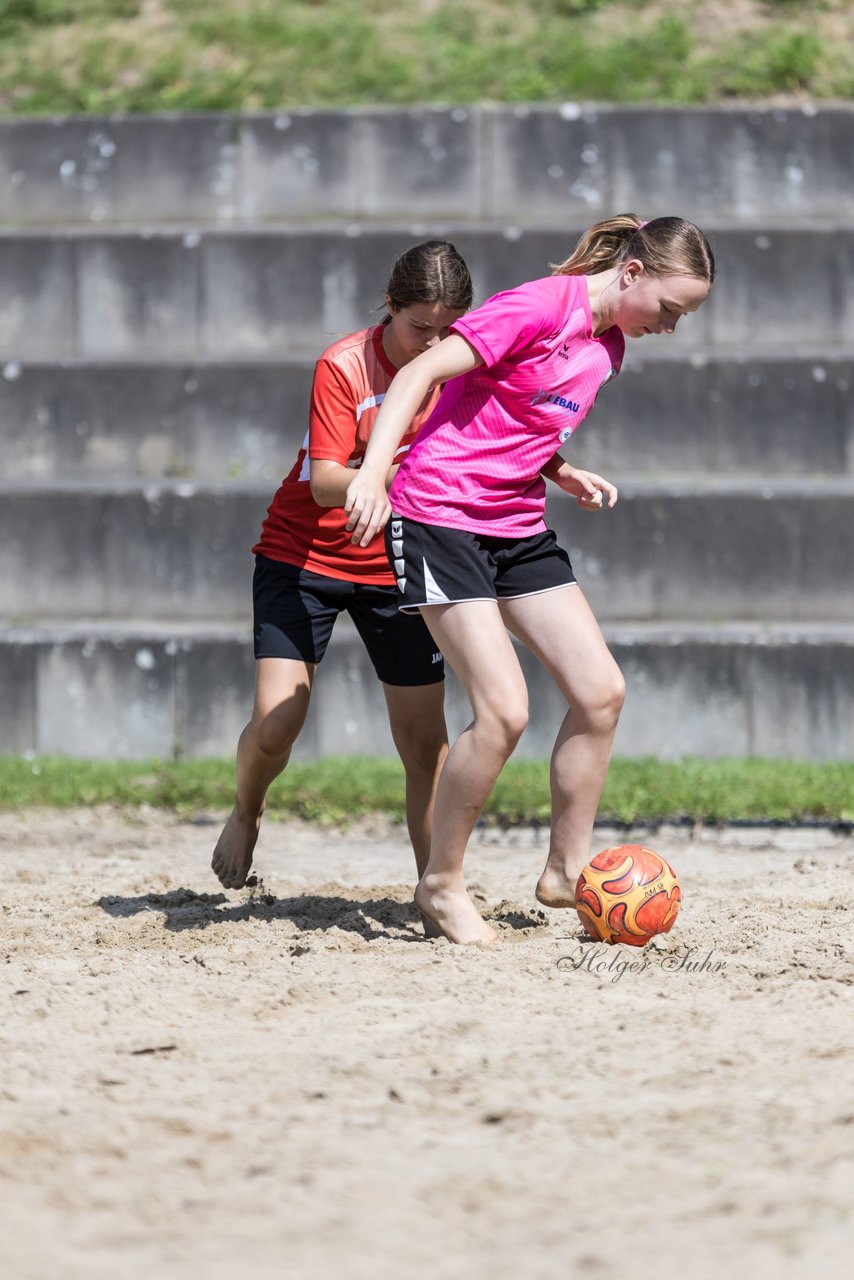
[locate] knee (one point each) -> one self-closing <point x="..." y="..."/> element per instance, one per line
<point x="276" y="732"/>
<point x="422" y="746"/>
<point x="506" y="724"/>
<point x="606" y="703"/>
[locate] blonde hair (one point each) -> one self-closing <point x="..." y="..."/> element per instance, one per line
<point x="665" y="246"/>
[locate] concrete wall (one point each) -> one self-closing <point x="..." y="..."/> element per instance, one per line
<point x="137" y="693"/>
<point x="745" y="414"/>
<point x="667" y="551"/>
<point x="168" y="283"/>
<point x="566" y="165"/>
<point x="225" y="295"/>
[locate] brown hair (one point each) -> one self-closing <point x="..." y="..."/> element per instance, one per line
<point x="430" y="272"/>
<point x="665" y="246"/>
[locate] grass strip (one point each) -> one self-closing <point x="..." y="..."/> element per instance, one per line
<point x="127" y="56"/>
<point x="337" y="790"/>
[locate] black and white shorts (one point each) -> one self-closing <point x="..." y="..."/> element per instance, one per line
<point x="436" y="565"/>
<point x="295" y="611"/>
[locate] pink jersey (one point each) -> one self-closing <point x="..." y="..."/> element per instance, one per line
<point x="476" y="463"/>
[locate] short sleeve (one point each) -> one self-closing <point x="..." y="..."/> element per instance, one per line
<point x="332" y="415"/>
<point x="507" y="323"/>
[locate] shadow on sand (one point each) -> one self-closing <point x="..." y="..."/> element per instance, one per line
<point x="370" y="918"/>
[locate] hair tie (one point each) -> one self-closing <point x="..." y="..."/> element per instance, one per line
<point x="645" y="223"/>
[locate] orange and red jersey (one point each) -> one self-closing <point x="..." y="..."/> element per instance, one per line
<point x="350" y="382"/>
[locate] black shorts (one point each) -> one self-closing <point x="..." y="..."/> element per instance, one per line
<point x="435" y="565"/>
<point x="295" y="611"/>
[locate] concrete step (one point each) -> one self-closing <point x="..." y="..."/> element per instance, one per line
<point x="723" y="549"/>
<point x="258" y="292"/>
<point x="748" y="415"/>
<point x="201" y="420"/>
<point x="524" y="164"/>
<point x="138" y="690"/>
<point x="781" y="550"/>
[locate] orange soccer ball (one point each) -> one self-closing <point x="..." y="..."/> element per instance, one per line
<point x="627" y="894"/>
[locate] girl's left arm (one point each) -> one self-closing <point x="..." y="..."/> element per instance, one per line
<point x="331" y="480"/>
<point x="590" y="490"/>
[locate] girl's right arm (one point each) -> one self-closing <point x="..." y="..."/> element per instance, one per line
<point x="590" y="490"/>
<point x="367" y="504"/>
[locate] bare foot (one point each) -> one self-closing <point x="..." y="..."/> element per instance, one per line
<point x="431" y="930"/>
<point x="555" y="888"/>
<point x="232" y="856"/>
<point x="452" y="912"/>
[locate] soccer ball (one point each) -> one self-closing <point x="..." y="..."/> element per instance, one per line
<point x="627" y="894"/>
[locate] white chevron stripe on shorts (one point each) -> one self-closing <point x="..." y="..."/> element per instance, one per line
<point x="433" y="593"/>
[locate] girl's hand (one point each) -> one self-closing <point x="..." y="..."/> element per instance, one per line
<point x="591" y="492"/>
<point x="367" y="507"/>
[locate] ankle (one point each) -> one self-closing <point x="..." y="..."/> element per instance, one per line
<point x="248" y="815"/>
<point x="442" y="881"/>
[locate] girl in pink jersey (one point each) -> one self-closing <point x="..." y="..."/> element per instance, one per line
<point x="308" y="570"/>
<point x="468" y="544"/>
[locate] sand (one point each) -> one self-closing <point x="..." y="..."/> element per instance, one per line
<point x="287" y="1081"/>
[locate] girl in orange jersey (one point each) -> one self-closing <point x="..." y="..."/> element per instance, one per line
<point x="308" y="570"/>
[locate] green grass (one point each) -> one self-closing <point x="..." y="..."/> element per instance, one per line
<point x="67" y="56"/>
<point x="339" y="790"/>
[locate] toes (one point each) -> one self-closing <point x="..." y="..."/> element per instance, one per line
<point x="225" y="875"/>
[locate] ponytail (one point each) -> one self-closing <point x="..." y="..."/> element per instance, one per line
<point x="665" y="246"/>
